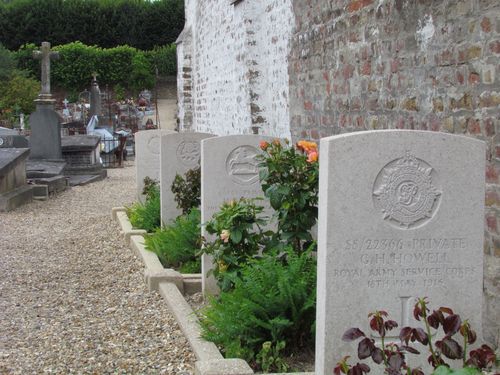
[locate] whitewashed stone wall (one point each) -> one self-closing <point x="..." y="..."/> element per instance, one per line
<point x="233" y="67"/>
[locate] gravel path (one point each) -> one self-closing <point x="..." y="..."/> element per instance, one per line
<point x="72" y="295"/>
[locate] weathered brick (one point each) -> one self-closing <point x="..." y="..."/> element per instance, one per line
<point x="486" y="25"/>
<point x="495" y="46"/>
<point x="470" y="53"/>
<point x="489" y="127"/>
<point x="410" y="104"/>
<point x="491" y="173"/>
<point x="492" y="199"/>
<point x="356" y="5"/>
<point x="491" y="223"/>
<point x="437" y="105"/>
<point x="473" y="126"/>
<point x="489" y="99"/>
<point x="473" y="78"/>
<point x="465" y="102"/>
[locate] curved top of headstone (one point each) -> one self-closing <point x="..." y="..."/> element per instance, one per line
<point x="9" y="157"/>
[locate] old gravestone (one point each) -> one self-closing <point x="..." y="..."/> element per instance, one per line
<point x="180" y="152"/>
<point x="229" y="170"/>
<point x="400" y="216"/>
<point x="147" y="157"/>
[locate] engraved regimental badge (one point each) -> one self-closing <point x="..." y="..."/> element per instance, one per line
<point x="242" y="165"/>
<point x="404" y="192"/>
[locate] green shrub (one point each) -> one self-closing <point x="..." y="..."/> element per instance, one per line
<point x="121" y="66"/>
<point x="238" y="237"/>
<point x="274" y="300"/>
<point x="164" y="58"/>
<point x="147" y="215"/>
<point x="178" y="244"/>
<point x="7" y="63"/>
<point x="139" y="23"/>
<point x="17" y="94"/>
<point x="187" y="189"/>
<point x="289" y="178"/>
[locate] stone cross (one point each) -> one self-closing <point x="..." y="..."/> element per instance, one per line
<point x="45" y="55"/>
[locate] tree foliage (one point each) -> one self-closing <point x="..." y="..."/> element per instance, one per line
<point x="106" y="23"/>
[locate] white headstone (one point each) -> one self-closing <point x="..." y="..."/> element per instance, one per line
<point x="229" y="170"/>
<point x="147" y="157"/>
<point x="180" y="152"/>
<point x="400" y="216"/>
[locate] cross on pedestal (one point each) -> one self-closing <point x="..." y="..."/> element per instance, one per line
<point x="45" y="55"/>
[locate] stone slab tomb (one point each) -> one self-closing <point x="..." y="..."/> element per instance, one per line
<point x="10" y="138"/>
<point x="180" y="152"/>
<point x="147" y="157"/>
<point x="229" y="170"/>
<point x="400" y="216"/>
<point x="13" y="189"/>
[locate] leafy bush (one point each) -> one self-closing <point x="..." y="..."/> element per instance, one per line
<point x="7" y="63"/>
<point x="164" y="58"/>
<point x="238" y="237"/>
<point x="17" y="94"/>
<point x="147" y="215"/>
<point x="289" y="178"/>
<point x="178" y="245"/>
<point x="273" y="301"/>
<point x="122" y="65"/>
<point x="138" y="23"/>
<point x="187" y="189"/>
<point x="392" y="356"/>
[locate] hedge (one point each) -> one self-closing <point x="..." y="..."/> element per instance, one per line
<point x="106" y="23"/>
<point x="123" y="65"/>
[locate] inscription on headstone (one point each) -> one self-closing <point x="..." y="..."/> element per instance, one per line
<point x="400" y="216"/>
<point x="229" y="170"/>
<point x="179" y="153"/>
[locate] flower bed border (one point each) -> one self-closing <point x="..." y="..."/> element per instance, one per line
<point x="172" y="286"/>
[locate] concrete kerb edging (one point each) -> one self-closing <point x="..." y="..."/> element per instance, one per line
<point x="170" y="284"/>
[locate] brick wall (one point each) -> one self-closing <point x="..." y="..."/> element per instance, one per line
<point x="235" y="71"/>
<point x="384" y="64"/>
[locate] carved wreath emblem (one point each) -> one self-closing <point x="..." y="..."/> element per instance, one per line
<point x="405" y="193"/>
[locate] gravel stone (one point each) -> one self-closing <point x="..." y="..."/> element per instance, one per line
<point x="72" y="295"/>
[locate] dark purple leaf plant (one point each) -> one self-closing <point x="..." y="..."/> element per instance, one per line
<point x="393" y="355"/>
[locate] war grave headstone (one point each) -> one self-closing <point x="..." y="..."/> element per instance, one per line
<point x="10" y="138"/>
<point x="13" y="188"/>
<point x="400" y="216"/>
<point x="147" y="157"/>
<point x="180" y="152"/>
<point x="229" y="170"/>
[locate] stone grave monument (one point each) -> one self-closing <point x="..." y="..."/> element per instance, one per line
<point x="179" y="153"/>
<point x="229" y="170"/>
<point x="10" y="138"/>
<point x="45" y="140"/>
<point x="147" y="157"/>
<point x="95" y="98"/>
<point x="13" y="188"/>
<point x="401" y="216"/>
<point x="82" y="156"/>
